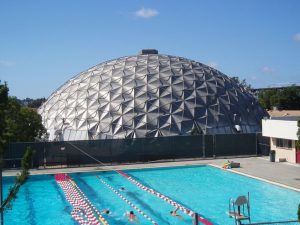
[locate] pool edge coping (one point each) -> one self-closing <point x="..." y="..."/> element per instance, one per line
<point x="162" y="165"/>
<point x="257" y="178"/>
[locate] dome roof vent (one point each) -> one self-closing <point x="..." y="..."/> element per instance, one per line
<point x="148" y="51"/>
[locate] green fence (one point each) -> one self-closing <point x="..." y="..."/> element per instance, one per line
<point x="73" y="153"/>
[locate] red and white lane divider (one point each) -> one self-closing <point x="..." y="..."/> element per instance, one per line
<point x="84" y="211"/>
<point x="127" y="201"/>
<point x="165" y="198"/>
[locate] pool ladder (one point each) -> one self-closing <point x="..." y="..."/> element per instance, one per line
<point x="235" y="206"/>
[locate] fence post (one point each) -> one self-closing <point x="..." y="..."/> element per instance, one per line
<point x="256" y="143"/>
<point x="195" y="219"/>
<point x="203" y="145"/>
<point x="44" y="155"/>
<point x="214" y="145"/>
<point x="110" y="149"/>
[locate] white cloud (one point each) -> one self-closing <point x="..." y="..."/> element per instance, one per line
<point x="6" y="63"/>
<point x="146" y="13"/>
<point x="267" y="69"/>
<point x="297" y="37"/>
<point x="213" y="64"/>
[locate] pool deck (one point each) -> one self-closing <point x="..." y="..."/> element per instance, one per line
<point x="282" y="174"/>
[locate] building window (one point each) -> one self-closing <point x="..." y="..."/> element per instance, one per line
<point x="283" y="143"/>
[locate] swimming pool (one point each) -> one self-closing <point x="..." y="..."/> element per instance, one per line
<point x="203" y="189"/>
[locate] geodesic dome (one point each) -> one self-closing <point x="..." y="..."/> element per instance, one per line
<point x="149" y="95"/>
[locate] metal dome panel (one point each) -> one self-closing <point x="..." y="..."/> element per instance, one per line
<point x="149" y="95"/>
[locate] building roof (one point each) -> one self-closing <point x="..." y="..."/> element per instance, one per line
<point x="287" y="118"/>
<point x="283" y="113"/>
<point x="150" y="95"/>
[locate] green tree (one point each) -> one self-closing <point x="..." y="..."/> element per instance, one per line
<point x="3" y="121"/>
<point x="17" y="123"/>
<point x="285" y="98"/>
<point x="289" y="98"/>
<point x="298" y="212"/>
<point x="36" y="103"/>
<point x="298" y="135"/>
<point x="195" y="131"/>
<point x="20" y="180"/>
<point x="23" y="123"/>
<point x="264" y="98"/>
<point x="242" y="83"/>
<point x="274" y="100"/>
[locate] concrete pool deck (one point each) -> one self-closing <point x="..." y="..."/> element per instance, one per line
<point x="283" y="174"/>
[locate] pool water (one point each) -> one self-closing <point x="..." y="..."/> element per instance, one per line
<point x="39" y="201"/>
<point x="203" y="189"/>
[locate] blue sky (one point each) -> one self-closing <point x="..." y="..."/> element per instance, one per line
<point x="44" y="43"/>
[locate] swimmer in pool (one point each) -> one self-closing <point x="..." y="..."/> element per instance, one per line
<point x="132" y="217"/>
<point x="106" y="211"/>
<point x="122" y="189"/>
<point x="174" y="213"/>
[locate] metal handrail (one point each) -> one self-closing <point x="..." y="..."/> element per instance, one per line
<point x="274" y="222"/>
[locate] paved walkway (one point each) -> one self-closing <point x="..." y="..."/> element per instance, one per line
<point x="284" y="174"/>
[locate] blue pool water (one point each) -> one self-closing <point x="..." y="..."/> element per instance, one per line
<point x="203" y="189"/>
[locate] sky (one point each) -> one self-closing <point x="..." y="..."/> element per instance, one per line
<point x="45" y="43"/>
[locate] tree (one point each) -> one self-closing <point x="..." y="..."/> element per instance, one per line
<point x="17" y="123"/>
<point x="195" y="131"/>
<point x="3" y="113"/>
<point x="243" y="83"/>
<point x="32" y="103"/>
<point x="298" y="135"/>
<point x="289" y="98"/>
<point x="298" y="212"/>
<point x="36" y="103"/>
<point x="23" y="123"/>
<point x="20" y="180"/>
<point x="284" y="98"/>
<point x="3" y="129"/>
<point x="264" y="98"/>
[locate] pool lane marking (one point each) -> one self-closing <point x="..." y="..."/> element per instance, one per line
<point x="165" y="198"/>
<point x="127" y="201"/>
<point x="78" y="197"/>
<point x="90" y="204"/>
<point x="79" y="201"/>
<point x="182" y="208"/>
<point x="75" y="199"/>
<point x="94" y="209"/>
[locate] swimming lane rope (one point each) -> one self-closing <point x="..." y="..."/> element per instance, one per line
<point x="84" y="211"/>
<point x="127" y="201"/>
<point x="165" y="198"/>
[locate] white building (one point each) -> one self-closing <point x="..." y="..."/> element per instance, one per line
<point x="283" y="136"/>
